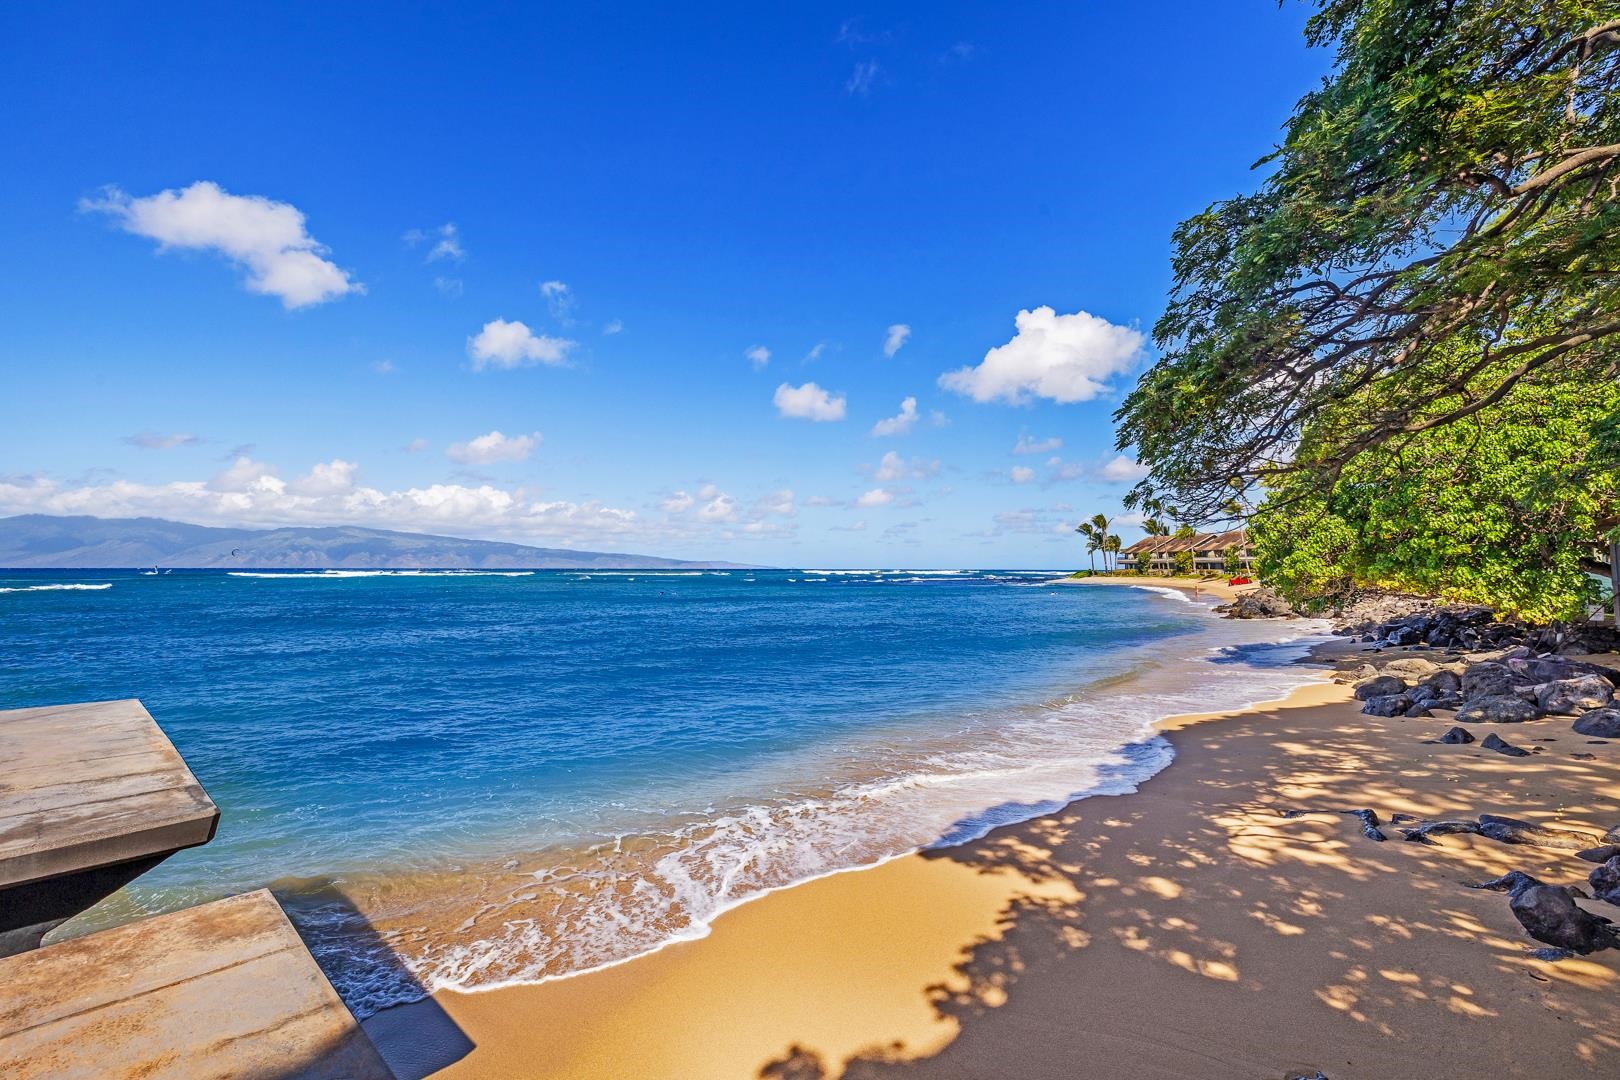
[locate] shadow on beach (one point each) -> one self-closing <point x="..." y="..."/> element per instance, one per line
<point x="416" y="1038"/>
<point x="1196" y="931"/>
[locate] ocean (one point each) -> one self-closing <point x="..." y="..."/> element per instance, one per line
<point x="469" y="779"/>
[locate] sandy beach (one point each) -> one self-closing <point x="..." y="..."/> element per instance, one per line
<point x="1212" y="588"/>
<point x="1189" y="929"/>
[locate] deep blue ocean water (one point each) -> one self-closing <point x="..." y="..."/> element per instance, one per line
<point x="692" y="737"/>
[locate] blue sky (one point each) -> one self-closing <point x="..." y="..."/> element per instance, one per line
<point x="268" y="268"/>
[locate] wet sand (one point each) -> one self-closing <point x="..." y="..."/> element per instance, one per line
<point x="1188" y="930"/>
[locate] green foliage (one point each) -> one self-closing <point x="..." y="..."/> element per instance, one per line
<point x="1234" y="560"/>
<point x="1457" y="175"/>
<point x="1503" y="509"/>
<point x="1182" y="562"/>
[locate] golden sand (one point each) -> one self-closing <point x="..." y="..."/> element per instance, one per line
<point x="1188" y="930"/>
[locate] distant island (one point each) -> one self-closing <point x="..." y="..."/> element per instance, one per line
<point x="45" y="541"/>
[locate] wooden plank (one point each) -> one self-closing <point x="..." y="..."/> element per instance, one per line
<point x="89" y="785"/>
<point x="222" y="990"/>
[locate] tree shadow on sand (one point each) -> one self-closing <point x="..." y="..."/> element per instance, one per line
<point x="1209" y="935"/>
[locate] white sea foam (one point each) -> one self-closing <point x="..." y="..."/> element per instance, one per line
<point x="57" y="588"/>
<point x="1174" y="594"/>
<point x="597" y="905"/>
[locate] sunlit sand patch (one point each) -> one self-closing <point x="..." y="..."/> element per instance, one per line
<point x="869" y="964"/>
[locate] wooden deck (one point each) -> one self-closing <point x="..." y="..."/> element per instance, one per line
<point x="222" y="990"/>
<point x="86" y="786"/>
<point x="91" y="797"/>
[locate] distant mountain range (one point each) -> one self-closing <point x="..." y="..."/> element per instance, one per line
<point x="44" y="541"/>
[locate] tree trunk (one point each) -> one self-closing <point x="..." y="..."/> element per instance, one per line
<point x="1614" y="579"/>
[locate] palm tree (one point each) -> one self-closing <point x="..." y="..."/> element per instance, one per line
<point x="1111" y="547"/>
<point x="1093" y="541"/>
<point x="1099" y="531"/>
<point x="1155" y="527"/>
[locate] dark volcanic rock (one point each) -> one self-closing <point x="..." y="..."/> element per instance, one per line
<point x="1601" y="853"/>
<point x="1540" y="669"/>
<point x="1571" y="697"/>
<point x="1455" y="736"/>
<point x="1443" y="682"/>
<point x="1550" y="915"/>
<point x="1495" y="742"/>
<point x="1498" y="709"/>
<point x="1516" y="831"/>
<point x="1425" y="833"/>
<point x="1369" y="823"/>
<point x="1605" y="881"/>
<point x="1600" y="724"/>
<point x="1488" y="679"/>
<point x="1387" y="705"/>
<point x="1380" y="686"/>
<point x="1262" y="603"/>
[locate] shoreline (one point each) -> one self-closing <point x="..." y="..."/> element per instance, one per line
<point x="528" y="917"/>
<point x="1216" y="589"/>
<point x="1054" y="938"/>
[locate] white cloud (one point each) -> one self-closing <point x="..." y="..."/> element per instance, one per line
<point x="447" y="242"/>
<point x="894" y="467"/>
<point x="1022" y="474"/>
<point x="492" y="447"/>
<point x="560" y="299"/>
<point x="255" y="497"/>
<point x="244" y="474"/>
<point x="896" y="337"/>
<point x="900" y="424"/>
<point x="721" y="507"/>
<point x="417" y="445"/>
<point x="1123" y="470"/>
<point x="808" y="402"/>
<point x="383" y="367"/>
<point x="759" y="356"/>
<point x="862" y="79"/>
<point x="326" y="478"/>
<point x="815" y="352"/>
<point x="1066" y="358"/>
<point x="151" y="440"/>
<point x="613" y="326"/>
<point x="875" y="497"/>
<point x="449" y="286"/>
<point x="510" y="345"/>
<point x="678" y="502"/>
<point x="1027" y="445"/>
<point x="264" y="237"/>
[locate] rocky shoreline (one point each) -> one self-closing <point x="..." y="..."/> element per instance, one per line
<point x="1417" y="659"/>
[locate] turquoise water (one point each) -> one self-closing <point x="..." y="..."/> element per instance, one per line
<point x="513" y="776"/>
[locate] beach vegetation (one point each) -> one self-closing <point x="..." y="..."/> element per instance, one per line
<point x="1502" y="509"/>
<point x="1364" y="340"/>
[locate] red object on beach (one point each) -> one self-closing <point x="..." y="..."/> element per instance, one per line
<point x="1239" y="581"/>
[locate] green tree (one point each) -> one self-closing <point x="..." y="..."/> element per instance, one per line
<point x="1182" y="562"/>
<point x="1234" y="560"/>
<point x="1111" y="545"/>
<point x="1440" y="224"/>
<point x="1504" y="508"/>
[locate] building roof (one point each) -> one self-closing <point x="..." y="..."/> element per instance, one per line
<point x="1167" y="545"/>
